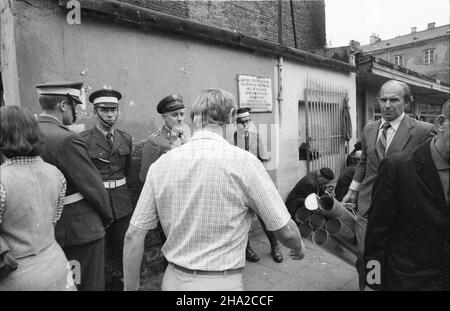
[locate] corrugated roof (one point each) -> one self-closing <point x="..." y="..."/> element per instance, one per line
<point x="409" y="38"/>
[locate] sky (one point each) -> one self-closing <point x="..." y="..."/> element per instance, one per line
<point x="357" y="19"/>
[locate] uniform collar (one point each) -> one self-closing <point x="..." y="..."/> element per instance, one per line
<point x="394" y="123"/>
<point x="105" y="132"/>
<point x="43" y="114"/>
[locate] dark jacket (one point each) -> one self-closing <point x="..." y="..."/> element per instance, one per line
<point x="113" y="164"/>
<point x="408" y="229"/>
<point x="307" y="185"/>
<point x="82" y="221"/>
<point x="409" y="135"/>
<point x="343" y="182"/>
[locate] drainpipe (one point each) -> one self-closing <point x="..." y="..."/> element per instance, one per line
<point x="280" y="66"/>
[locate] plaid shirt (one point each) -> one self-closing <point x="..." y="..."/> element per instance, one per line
<point x="205" y="194"/>
<point x="26" y="161"/>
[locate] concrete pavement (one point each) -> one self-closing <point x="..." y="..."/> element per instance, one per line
<point x="320" y="270"/>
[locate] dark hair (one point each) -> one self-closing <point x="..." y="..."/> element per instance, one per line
<point x="48" y="102"/>
<point x="327" y="173"/>
<point x="19" y="133"/>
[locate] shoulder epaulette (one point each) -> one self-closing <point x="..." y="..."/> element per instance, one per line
<point x="85" y="133"/>
<point x="124" y="133"/>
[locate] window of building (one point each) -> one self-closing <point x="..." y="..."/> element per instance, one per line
<point x="428" y="56"/>
<point x="398" y="60"/>
<point x="428" y="112"/>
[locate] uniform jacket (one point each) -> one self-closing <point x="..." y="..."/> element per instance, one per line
<point x="113" y="164"/>
<point x="82" y="221"/>
<point x="409" y="135"/>
<point x="159" y="143"/>
<point x="408" y="228"/>
<point x="307" y="185"/>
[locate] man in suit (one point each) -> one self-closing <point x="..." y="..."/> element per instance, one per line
<point x="393" y="133"/>
<point x="81" y="228"/>
<point x="110" y="150"/>
<point x="408" y="230"/>
<point x="248" y="140"/>
<point x="172" y="134"/>
<point x="313" y="182"/>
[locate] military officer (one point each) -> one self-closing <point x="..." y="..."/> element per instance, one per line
<point x="110" y="150"/>
<point x="172" y="134"/>
<point x="248" y="140"/>
<point x="81" y="228"/>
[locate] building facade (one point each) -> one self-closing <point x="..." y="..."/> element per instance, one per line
<point x="146" y="54"/>
<point x="425" y="51"/>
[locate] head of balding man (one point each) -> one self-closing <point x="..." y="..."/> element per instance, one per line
<point x="393" y="98"/>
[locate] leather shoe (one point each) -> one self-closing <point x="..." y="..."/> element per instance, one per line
<point x="276" y="254"/>
<point x="250" y="255"/>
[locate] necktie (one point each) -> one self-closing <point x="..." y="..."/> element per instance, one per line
<point x="246" y="137"/>
<point x="382" y="141"/>
<point x="109" y="139"/>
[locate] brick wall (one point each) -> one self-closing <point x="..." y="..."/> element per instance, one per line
<point x="254" y="18"/>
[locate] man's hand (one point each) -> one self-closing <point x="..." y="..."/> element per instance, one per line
<point x="297" y="254"/>
<point x="350" y="197"/>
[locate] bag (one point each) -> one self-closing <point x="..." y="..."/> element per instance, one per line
<point x="7" y="261"/>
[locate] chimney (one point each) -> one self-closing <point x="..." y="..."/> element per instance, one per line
<point x="413" y="29"/>
<point x="431" y="25"/>
<point x="374" y="39"/>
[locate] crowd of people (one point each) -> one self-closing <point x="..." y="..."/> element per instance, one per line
<point x="64" y="197"/>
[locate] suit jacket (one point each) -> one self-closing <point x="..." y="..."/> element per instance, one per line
<point x="408" y="229"/>
<point x="409" y="134"/>
<point x="113" y="164"/>
<point x="307" y="185"/>
<point x="82" y="221"/>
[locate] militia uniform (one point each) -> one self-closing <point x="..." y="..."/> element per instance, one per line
<point x="165" y="139"/>
<point x="80" y="230"/>
<point x="111" y="152"/>
<point x="250" y="141"/>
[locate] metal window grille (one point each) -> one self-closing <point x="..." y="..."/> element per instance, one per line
<point x="324" y="134"/>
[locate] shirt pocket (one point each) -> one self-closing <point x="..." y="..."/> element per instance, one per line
<point x="97" y="154"/>
<point x="124" y="152"/>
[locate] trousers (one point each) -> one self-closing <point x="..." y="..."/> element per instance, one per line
<point x="176" y="280"/>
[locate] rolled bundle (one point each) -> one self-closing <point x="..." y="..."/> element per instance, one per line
<point x="305" y="229"/>
<point x="316" y="220"/>
<point x="332" y="208"/>
<point x="339" y="230"/>
<point x="302" y="215"/>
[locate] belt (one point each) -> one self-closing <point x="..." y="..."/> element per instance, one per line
<point x="73" y="198"/>
<point x="203" y="272"/>
<point x="111" y="184"/>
